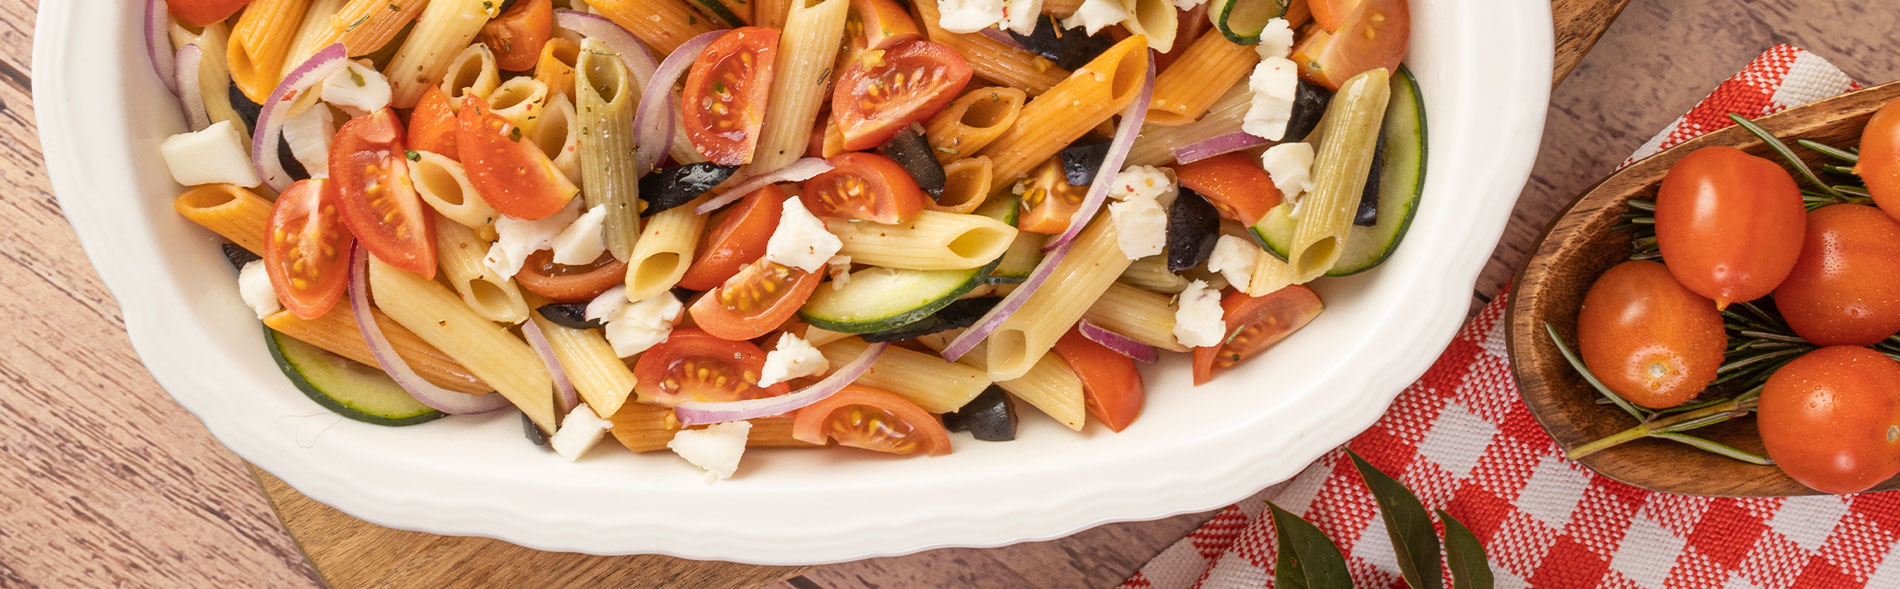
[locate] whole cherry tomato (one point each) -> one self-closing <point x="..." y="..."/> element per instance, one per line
<point x="1879" y="163"/>
<point x="1831" y="419"/>
<point x="1729" y="224"/>
<point x="1647" y="338"/>
<point x="1845" y="288"/>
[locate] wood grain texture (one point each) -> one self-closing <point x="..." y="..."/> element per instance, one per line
<point x="1580" y="246"/>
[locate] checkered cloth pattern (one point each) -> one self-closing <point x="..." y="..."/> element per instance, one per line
<point x="1462" y="439"/>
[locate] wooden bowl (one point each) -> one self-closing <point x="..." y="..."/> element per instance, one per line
<point x="1579" y="246"/>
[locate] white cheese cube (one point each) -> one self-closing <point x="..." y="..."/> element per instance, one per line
<point x="517" y="238"/>
<point x="1197" y="318"/>
<point x="1233" y="259"/>
<point x="357" y="89"/>
<point x="1275" y="84"/>
<point x="254" y="287"/>
<point x="1143" y="183"/>
<point x="1290" y="166"/>
<point x="1276" y="40"/>
<point x="636" y="327"/>
<point x="216" y="154"/>
<point x="581" y="242"/>
<point x="579" y="432"/>
<point x="793" y="358"/>
<point x="308" y="135"/>
<point x="800" y="240"/>
<point x="1095" y="15"/>
<point x="968" y="16"/>
<point x="716" y="449"/>
<point x="1141" y="227"/>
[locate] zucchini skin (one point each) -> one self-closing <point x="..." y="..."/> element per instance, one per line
<point x="317" y="394"/>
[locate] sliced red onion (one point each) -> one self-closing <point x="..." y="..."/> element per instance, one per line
<point x="968" y="340"/>
<point x="653" y="122"/>
<point x="1125" y="132"/>
<point x="797" y="171"/>
<point x="1121" y="344"/>
<point x="189" y="92"/>
<point x="539" y="341"/>
<point x="1002" y="36"/>
<point x="604" y="305"/>
<point x="270" y="120"/>
<point x="158" y="42"/>
<point x="441" y="399"/>
<point x="632" y="52"/>
<point x="1217" y="145"/>
<point x="693" y="413"/>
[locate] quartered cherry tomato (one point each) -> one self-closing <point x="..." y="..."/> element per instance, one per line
<point x="540" y="275"/>
<point x="1234" y="183"/>
<point x="737" y="240"/>
<point x="886" y="90"/>
<point x="1330" y="14"/>
<point x="1111" y="385"/>
<point x="1649" y="339"/>
<point x="872" y="419"/>
<point x="864" y="186"/>
<point x="510" y="172"/>
<point x="308" y="251"/>
<point x="878" y="24"/>
<point x="1879" y="163"/>
<point x="692" y="365"/>
<point x="755" y="301"/>
<point x="1729" y="224"/>
<point x="369" y="171"/>
<point x="1255" y="324"/>
<point x="1845" y="287"/>
<point x="1049" y="201"/>
<point x="1374" y="35"/>
<point x="198" y="13"/>
<point x="726" y="93"/>
<point x="432" y="125"/>
<point x="517" y="35"/>
<point x="1831" y="419"/>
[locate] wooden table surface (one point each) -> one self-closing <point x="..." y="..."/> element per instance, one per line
<point x="104" y="481"/>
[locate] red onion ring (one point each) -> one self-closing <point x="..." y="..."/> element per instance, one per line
<point x="1217" y="145"/>
<point x="189" y="92"/>
<point x="441" y="399"/>
<point x="567" y="397"/>
<point x="1125" y="132"/>
<point x="605" y="304"/>
<point x="158" y="42"/>
<point x="797" y="171"/>
<point x="1121" y="344"/>
<point x="270" y="120"/>
<point x="633" y="53"/>
<point x="693" y="413"/>
<point x="1002" y="36"/>
<point x="653" y="122"/>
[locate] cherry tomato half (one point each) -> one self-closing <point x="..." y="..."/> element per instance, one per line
<point x="540" y="275"/>
<point x="1845" y="288"/>
<point x="199" y="13"/>
<point x="1330" y="14"/>
<point x="1648" y="338"/>
<point x="877" y="24"/>
<point x="1255" y="324"/>
<point x="517" y="35"/>
<point x="864" y="186"/>
<point x="871" y="419"/>
<point x="1831" y="419"/>
<point x="755" y="301"/>
<point x="1234" y="183"/>
<point x="1111" y="385"/>
<point x="692" y="365"/>
<point x="369" y="171"/>
<point x="1729" y="224"/>
<point x="737" y="240"/>
<point x="1374" y="35"/>
<point x="1879" y="163"/>
<point x="726" y="93"/>
<point x="886" y="90"/>
<point x="511" y="173"/>
<point x="1049" y="202"/>
<point x="432" y="125"/>
<point x="308" y="252"/>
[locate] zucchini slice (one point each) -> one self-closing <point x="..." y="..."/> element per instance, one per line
<point x="1020" y="259"/>
<point x="1242" y="20"/>
<point x="339" y="384"/>
<point x="880" y="299"/>
<point x="1274" y="230"/>
<point x="1401" y="180"/>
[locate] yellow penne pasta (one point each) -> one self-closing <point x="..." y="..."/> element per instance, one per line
<point x="1070" y="110"/>
<point x="1091" y="266"/>
<point x="932" y="240"/>
<point x="336" y="333"/>
<point x="1152" y="273"/>
<point x="1198" y="78"/>
<point x="647" y="428"/>
<point x="444" y="185"/>
<point x="1270" y="274"/>
<point x="472" y="72"/>
<point x="661" y="24"/>
<point x="444" y="29"/>
<point x="991" y="59"/>
<point x="771" y="13"/>
<point x="438" y="316"/>
<point x="966" y="185"/>
<point x="228" y="210"/>
<point x="932" y="383"/>
<point x="260" y="43"/>
<point x="807" y="49"/>
<point x="663" y="252"/>
<point x="520" y="100"/>
<point x="1143" y="316"/>
<point x="557" y="133"/>
<point x="599" y="376"/>
<point x="973" y="120"/>
<point x="366" y="26"/>
<point x="1154" y="19"/>
<point x="1050" y="386"/>
<point x="313" y="33"/>
<point x="459" y="253"/>
<point x="556" y="66"/>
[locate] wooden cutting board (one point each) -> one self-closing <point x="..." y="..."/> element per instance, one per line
<point x="352" y="553"/>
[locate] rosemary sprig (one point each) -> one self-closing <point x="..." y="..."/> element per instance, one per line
<point x="1846" y="155"/>
<point x="1775" y="144"/>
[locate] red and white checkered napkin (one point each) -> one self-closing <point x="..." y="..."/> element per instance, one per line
<point x="1462" y="439"/>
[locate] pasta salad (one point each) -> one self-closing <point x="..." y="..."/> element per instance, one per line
<point x="702" y="225"/>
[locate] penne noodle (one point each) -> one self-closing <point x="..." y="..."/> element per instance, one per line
<point x="972" y="121"/>
<point x="1271" y="273"/>
<point x="647" y="428"/>
<point x="519" y="100"/>
<point x="313" y="34"/>
<point x="1152" y="273"/>
<point x="661" y="24"/>
<point x="445" y="29"/>
<point x="228" y="210"/>
<point x="932" y="240"/>
<point x="459" y="254"/>
<point x="444" y="185"/>
<point x="966" y="185"/>
<point x="367" y="26"/>
<point x="1050" y="386"/>
<point x="1070" y="110"/>
<point x="556" y="67"/>
<point x="336" y="332"/>
<point x="1143" y="316"/>
<point x="1154" y="19"/>
<point x="991" y="59"/>
<point x="471" y="73"/>
<point x="496" y="356"/>
<point x="807" y="49"/>
<point x="1198" y="78"/>
<point x="771" y="13"/>
<point x="1156" y="144"/>
<point x="932" y="383"/>
<point x="607" y="101"/>
<point x="557" y="133"/>
<point x="1093" y="262"/>
<point x="663" y="252"/>
<point x="601" y="378"/>
<point x="260" y="43"/>
<point x="1340" y="170"/>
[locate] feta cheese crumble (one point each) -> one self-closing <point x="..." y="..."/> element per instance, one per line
<point x="308" y="135"/>
<point x="1233" y="259"/>
<point x="716" y="449"/>
<point x="1275" y="84"/>
<point x="1019" y="16"/>
<point x="801" y="241"/>
<point x="1095" y="15"/>
<point x="357" y="89"/>
<point x="1197" y="318"/>
<point x="216" y="154"/>
<point x="839" y="267"/>
<point x="1276" y="40"/>
<point x="1290" y="166"/>
<point x="636" y="327"/>
<point x="579" y="432"/>
<point x="517" y="238"/>
<point x="1143" y="182"/>
<point x="969" y="16"/>
<point x="1141" y="227"/>
<point x="581" y="242"/>
<point x="254" y="287"/>
<point x="793" y="358"/>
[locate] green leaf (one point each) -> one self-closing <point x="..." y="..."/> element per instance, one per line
<point x="1464" y="555"/>
<point x="1307" y="560"/>
<point x="1406" y="522"/>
